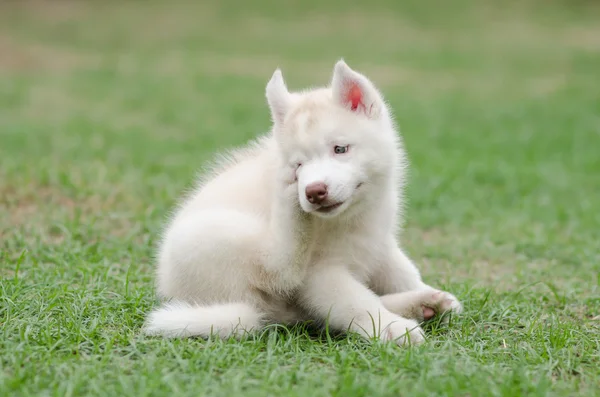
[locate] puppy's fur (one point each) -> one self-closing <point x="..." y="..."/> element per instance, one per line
<point x="301" y="224"/>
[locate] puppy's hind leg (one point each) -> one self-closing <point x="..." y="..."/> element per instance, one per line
<point x="422" y="304"/>
<point x="403" y="292"/>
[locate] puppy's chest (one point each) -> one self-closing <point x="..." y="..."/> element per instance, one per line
<point x="358" y="253"/>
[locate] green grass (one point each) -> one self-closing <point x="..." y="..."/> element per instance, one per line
<point x="108" y="110"/>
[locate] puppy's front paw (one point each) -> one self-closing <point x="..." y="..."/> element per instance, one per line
<point x="404" y="332"/>
<point x="393" y="328"/>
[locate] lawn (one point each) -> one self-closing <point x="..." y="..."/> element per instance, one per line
<point x="109" y="109"/>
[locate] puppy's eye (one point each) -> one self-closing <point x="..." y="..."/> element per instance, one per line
<point x="340" y="149"/>
<point x="295" y="172"/>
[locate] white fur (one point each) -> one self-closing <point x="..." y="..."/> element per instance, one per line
<point x="248" y="248"/>
<point x="181" y="319"/>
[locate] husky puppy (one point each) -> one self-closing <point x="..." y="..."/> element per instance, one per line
<point x="301" y="224"/>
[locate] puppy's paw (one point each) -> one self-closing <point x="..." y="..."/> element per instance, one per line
<point x="439" y="303"/>
<point x="392" y="328"/>
<point x="404" y="332"/>
<point x="422" y="305"/>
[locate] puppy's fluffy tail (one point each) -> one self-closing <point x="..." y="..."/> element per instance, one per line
<point x="180" y="320"/>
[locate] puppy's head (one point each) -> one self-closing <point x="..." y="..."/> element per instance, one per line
<point x="337" y="143"/>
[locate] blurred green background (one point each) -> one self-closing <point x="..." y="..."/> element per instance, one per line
<point x="108" y="110"/>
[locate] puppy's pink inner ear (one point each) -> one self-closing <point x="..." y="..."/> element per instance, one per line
<point x="355" y="96"/>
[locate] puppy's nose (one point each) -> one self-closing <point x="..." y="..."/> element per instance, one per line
<point x="316" y="192"/>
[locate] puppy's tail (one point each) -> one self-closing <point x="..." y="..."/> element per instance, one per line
<point x="180" y="320"/>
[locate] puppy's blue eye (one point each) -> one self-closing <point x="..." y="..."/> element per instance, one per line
<point x="340" y="149"/>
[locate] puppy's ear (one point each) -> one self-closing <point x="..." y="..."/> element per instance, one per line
<point x="278" y="97"/>
<point x="355" y="92"/>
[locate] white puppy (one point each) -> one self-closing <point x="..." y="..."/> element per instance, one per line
<point x="300" y="225"/>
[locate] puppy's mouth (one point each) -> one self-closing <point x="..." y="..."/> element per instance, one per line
<point x="329" y="208"/>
